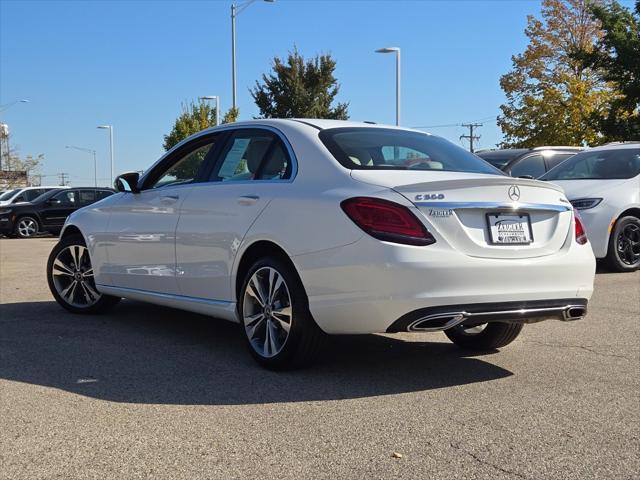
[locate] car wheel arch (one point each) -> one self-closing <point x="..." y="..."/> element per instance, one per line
<point x="253" y="252"/>
<point x="629" y="212"/>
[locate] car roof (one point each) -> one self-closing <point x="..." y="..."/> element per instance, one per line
<point x="616" y="146"/>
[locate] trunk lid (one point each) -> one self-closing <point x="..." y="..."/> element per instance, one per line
<point x="460" y="207"/>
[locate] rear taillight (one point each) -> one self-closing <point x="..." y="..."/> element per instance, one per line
<point x="581" y="234"/>
<point x="387" y="221"/>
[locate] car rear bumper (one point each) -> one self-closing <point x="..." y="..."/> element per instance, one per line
<point x="368" y="286"/>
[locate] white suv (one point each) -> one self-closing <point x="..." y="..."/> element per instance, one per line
<point x="26" y="194"/>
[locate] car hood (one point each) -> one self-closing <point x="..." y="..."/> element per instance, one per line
<point x="574" y="189"/>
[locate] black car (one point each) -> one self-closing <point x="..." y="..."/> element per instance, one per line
<point x="527" y="162"/>
<point x="48" y="212"/>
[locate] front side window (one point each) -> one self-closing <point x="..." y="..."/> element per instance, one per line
<point x="184" y="170"/>
<point x="365" y="148"/>
<point x="598" y="165"/>
<point x="557" y="159"/>
<point x="65" y="199"/>
<point x="532" y="166"/>
<point x="257" y="155"/>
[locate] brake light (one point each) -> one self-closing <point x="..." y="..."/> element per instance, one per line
<point x="581" y="234"/>
<point x="387" y="221"/>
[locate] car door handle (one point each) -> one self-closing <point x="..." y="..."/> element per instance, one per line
<point x="248" y="199"/>
<point x="169" y="198"/>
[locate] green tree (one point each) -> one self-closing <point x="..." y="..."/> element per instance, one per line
<point x="231" y="115"/>
<point x="300" y="88"/>
<point x="617" y="58"/>
<point x="551" y="96"/>
<point x="194" y="118"/>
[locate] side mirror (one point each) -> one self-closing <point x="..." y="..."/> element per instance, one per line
<point x="54" y="201"/>
<point x="127" y="182"/>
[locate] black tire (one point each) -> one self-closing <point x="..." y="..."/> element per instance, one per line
<point x="21" y="228"/>
<point x="494" y="335"/>
<point x="626" y="236"/>
<point x="304" y="338"/>
<point x="99" y="304"/>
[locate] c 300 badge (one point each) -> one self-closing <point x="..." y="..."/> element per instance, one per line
<point x="430" y="196"/>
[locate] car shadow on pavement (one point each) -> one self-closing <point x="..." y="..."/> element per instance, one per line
<point x="142" y="353"/>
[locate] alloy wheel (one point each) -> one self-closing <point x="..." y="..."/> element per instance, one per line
<point x="267" y="311"/>
<point x="72" y="276"/>
<point x="27" y="227"/>
<point x="628" y="244"/>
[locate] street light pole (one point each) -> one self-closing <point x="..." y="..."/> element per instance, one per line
<point x="95" y="163"/>
<point x="395" y="50"/>
<point x="11" y="104"/>
<point x="217" y="99"/>
<point x="110" y="128"/>
<point x="235" y="11"/>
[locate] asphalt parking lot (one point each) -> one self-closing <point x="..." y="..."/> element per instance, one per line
<point x="151" y="392"/>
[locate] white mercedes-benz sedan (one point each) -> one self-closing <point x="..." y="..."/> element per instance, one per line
<point x="300" y="228"/>
<point x="603" y="183"/>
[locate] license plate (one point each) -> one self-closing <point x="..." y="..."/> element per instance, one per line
<point x="509" y="229"/>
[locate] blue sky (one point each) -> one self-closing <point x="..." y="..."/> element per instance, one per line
<point x="132" y="63"/>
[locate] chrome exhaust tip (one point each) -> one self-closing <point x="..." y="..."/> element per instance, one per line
<point x="438" y="321"/>
<point x="574" y="312"/>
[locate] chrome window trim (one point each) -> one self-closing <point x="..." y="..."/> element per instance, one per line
<point x="502" y="206"/>
<point x="232" y="127"/>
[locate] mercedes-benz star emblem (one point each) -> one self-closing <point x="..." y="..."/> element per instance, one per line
<point x="514" y="193"/>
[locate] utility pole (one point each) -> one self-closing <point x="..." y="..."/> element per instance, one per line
<point x="63" y="178"/>
<point x="471" y="137"/>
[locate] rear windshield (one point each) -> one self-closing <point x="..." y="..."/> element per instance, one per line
<point x="365" y="148"/>
<point x="598" y="165"/>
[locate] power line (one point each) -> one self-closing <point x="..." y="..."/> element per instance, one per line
<point x="471" y="137"/>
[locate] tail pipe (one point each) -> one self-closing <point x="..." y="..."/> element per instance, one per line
<point x="446" y="320"/>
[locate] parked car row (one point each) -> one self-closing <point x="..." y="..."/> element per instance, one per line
<point x="527" y="162"/>
<point x="45" y="212"/>
<point x="602" y="183"/>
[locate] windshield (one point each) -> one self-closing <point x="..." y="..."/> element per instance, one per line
<point x="598" y="165"/>
<point x="363" y="148"/>
<point x="9" y="194"/>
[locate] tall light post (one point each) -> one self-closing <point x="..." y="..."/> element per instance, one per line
<point x="95" y="164"/>
<point x="217" y="99"/>
<point x="395" y="50"/>
<point x="110" y="128"/>
<point x="235" y="11"/>
<point x="6" y="106"/>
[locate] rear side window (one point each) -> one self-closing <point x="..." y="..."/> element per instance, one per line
<point x="86" y="197"/>
<point x="363" y="148"/>
<point x="100" y="194"/>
